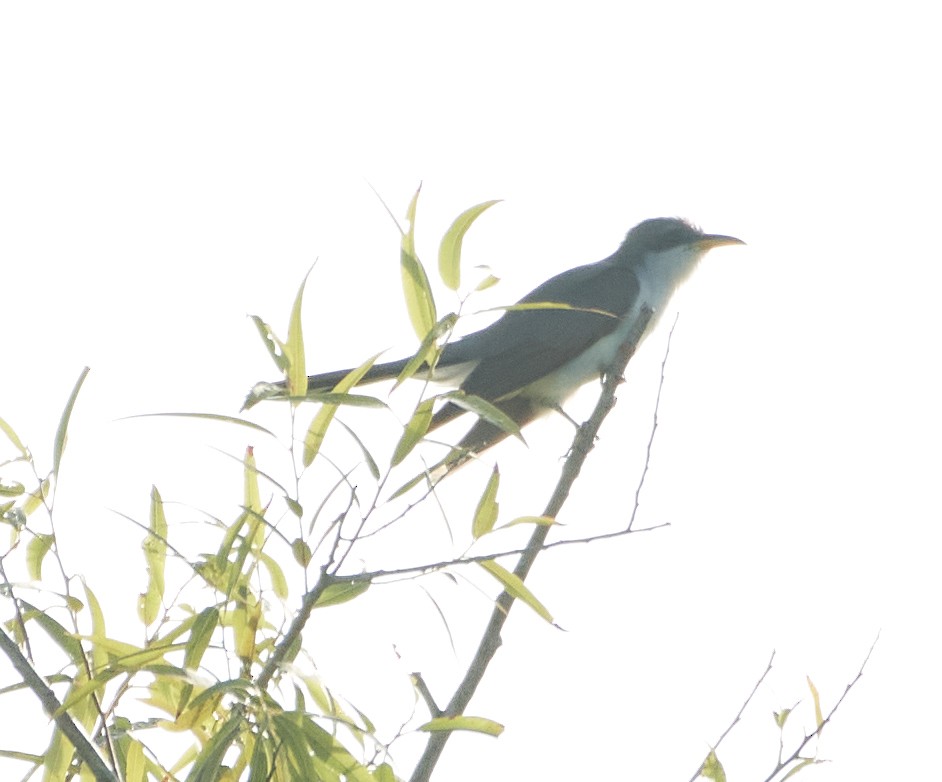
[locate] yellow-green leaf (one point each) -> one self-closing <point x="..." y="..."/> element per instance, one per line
<point x="542" y="521"/>
<point x="476" y="724"/>
<point x="341" y="592"/>
<point x="416" y="289"/>
<point x="155" y="555"/>
<point x="135" y="766"/>
<point x="712" y="768"/>
<point x="36" y="551"/>
<point x="818" y="716"/>
<point x="414" y="431"/>
<point x="276" y="348"/>
<point x="427" y="354"/>
<point x="12" y="437"/>
<point x="486" y="410"/>
<point x="200" y="635"/>
<point x="485" y="515"/>
<point x="516" y="588"/>
<point x="99" y="656"/>
<point x="294" y="348"/>
<point x="449" y="252"/>
<point x="62" y="431"/>
<point x="318" y="428"/>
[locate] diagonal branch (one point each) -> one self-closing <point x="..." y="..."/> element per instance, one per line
<point x="490" y="640"/>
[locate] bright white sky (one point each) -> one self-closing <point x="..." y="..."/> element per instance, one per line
<point x="166" y="170"/>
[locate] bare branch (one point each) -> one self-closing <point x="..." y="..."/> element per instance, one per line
<point x="490" y="640"/>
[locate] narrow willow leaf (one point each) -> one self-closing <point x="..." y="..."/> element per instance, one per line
<point x="279" y="583"/>
<point x="62" y="431"/>
<point x="251" y="499"/>
<point x="225" y="419"/>
<point x="414" y="431"/>
<point x="488" y="282"/>
<point x="276" y="348"/>
<point x="542" y="521"/>
<point x="318" y="428"/>
<point x="485" y="515"/>
<point x="516" y="588"/>
<point x="209" y="761"/>
<point x="367" y="456"/>
<point x="335" y="756"/>
<point x="202" y="633"/>
<point x="476" y="724"/>
<point x="99" y="655"/>
<point x="294" y="744"/>
<point x="155" y="555"/>
<point x="135" y="768"/>
<point x="294" y="347"/>
<point x="804" y="762"/>
<point x="12" y="437"/>
<point x="416" y="289"/>
<point x="11" y="489"/>
<point x="818" y="716"/>
<point x="342" y="592"/>
<point x="66" y="641"/>
<point x="486" y="410"/>
<point x="36" y="551"/>
<point x="449" y="252"/>
<point x="427" y="354"/>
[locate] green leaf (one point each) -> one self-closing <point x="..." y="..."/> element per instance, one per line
<point x="804" y="762"/>
<point x="62" y="431"/>
<point x="202" y="633"/>
<point x="341" y="592"/>
<point x="12" y="489"/>
<point x="414" y="431"/>
<point x="318" y="428"/>
<point x="542" y="521"/>
<point x="476" y="724"/>
<point x="66" y="641"/>
<point x="278" y="581"/>
<point x="367" y="456"/>
<point x="36" y="551"/>
<point x="416" y="289"/>
<point x="99" y="655"/>
<point x="449" y="252"/>
<point x="276" y="348"/>
<point x="294" y="347"/>
<point x="781" y="717"/>
<point x="516" y="588"/>
<point x="818" y="716"/>
<point x="712" y="768"/>
<point x="155" y="555"/>
<point x="486" y="410"/>
<point x="135" y="767"/>
<point x="209" y="761"/>
<point x="11" y="435"/>
<point x="485" y="515"/>
<point x="428" y="351"/>
<point x="225" y="419"/>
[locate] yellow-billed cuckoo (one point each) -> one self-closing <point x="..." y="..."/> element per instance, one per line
<point x="529" y="361"/>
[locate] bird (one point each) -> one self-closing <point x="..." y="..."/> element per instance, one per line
<point x="529" y="361"/>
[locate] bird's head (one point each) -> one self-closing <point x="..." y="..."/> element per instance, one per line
<point x="661" y="234"/>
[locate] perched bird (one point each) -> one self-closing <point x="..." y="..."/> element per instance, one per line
<point x="529" y="361"/>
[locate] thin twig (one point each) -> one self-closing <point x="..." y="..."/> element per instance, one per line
<point x="729" y="728"/>
<point x="783" y="764"/>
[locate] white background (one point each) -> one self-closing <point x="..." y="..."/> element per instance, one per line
<point x="165" y="170"/>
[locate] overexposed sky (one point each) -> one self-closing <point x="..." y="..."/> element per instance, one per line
<point x="165" y="170"/>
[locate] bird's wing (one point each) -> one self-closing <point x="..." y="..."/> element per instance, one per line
<point x="527" y="345"/>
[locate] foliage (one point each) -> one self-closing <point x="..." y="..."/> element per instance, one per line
<point x="217" y="662"/>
